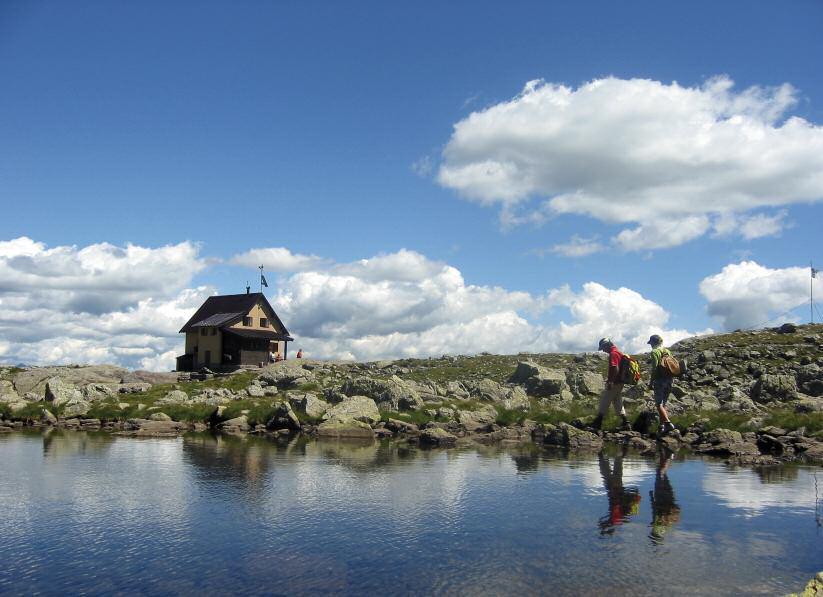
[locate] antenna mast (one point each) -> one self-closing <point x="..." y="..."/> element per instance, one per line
<point x="811" y="291"/>
<point x="260" y="267"/>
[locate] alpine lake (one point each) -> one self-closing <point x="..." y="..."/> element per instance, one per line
<point x="93" y="513"/>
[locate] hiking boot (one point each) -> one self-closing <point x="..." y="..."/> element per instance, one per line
<point x="665" y="428"/>
<point x="598" y="421"/>
<point x="626" y="425"/>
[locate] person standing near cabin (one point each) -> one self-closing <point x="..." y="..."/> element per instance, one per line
<point x="660" y="382"/>
<point x="613" y="394"/>
<point x="300" y="354"/>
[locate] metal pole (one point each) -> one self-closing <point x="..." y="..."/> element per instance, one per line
<point x="261" y="279"/>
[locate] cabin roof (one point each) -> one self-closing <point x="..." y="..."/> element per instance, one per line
<point x="224" y="310"/>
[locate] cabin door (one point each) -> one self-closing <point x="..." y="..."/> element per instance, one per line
<point x="207" y="358"/>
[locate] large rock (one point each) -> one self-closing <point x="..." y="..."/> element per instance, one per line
<point x="472" y="420"/>
<point x="284" y="418"/>
<point x="571" y="437"/>
<point x="34" y="380"/>
<point x="434" y="436"/>
<point x="173" y="397"/>
<point x="286" y="374"/>
<point x="145" y="427"/>
<point x="586" y="383"/>
<point x="392" y="394"/>
<point x="358" y="408"/>
<point x="509" y="397"/>
<point x="309" y="405"/>
<point x="539" y="381"/>
<point x="236" y="425"/>
<point x="344" y="428"/>
<point x="774" y="387"/>
<point x="724" y="442"/>
<point x="7" y="392"/>
<point x="149" y="377"/>
<point x="97" y="391"/>
<point x="76" y="408"/>
<point x="60" y="392"/>
<point x="733" y="399"/>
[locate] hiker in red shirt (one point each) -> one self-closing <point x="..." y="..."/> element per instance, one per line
<point x="613" y="394"/>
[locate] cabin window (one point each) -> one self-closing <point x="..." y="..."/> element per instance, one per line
<point x="264" y="323"/>
<point x="247" y="321"/>
<point x="214" y="331"/>
<point x="203" y="331"/>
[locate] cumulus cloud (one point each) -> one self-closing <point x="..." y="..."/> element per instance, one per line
<point x="97" y="278"/>
<point x="277" y="259"/>
<point x="96" y="304"/>
<point x="578" y="246"/>
<point x="390" y="305"/>
<point x="748" y="294"/>
<point x="403" y="304"/>
<point x="640" y="152"/>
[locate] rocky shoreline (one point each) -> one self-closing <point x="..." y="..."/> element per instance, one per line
<point x="753" y="398"/>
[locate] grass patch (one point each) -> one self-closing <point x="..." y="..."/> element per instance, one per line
<point x="715" y="420"/>
<point x="417" y="417"/>
<point x="309" y="387"/>
<point x="789" y="420"/>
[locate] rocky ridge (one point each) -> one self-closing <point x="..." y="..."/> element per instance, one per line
<point x="768" y="383"/>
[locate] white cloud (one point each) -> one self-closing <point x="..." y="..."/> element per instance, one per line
<point x="277" y="259"/>
<point x="391" y="305"/>
<point x="403" y="304"/>
<point x="639" y="151"/>
<point x="96" y="304"/>
<point x="578" y="246"/>
<point x="748" y="294"/>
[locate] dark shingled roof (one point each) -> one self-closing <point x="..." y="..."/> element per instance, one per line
<point x="219" y="311"/>
<point x="244" y="333"/>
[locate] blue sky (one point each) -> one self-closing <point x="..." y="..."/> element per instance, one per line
<point x="249" y="125"/>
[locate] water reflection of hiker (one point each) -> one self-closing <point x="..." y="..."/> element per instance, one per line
<point x="660" y="382"/>
<point x="624" y="502"/>
<point x="613" y="394"/>
<point x="665" y="511"/>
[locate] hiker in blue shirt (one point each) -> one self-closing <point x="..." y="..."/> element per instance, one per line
<point x="660" y="382"/>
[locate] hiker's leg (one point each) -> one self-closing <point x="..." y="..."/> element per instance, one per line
<point x="605" y="400"/>
<point x="617" y="398"/>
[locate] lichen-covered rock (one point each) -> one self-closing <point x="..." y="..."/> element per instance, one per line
<point x="255" y="391"/>
<point x="571" y="437"/>
<point x="472" y="420"/>
<point x="359" y="408"/>
<point x="586" y="383"/>
<point x="159" y="416"/>
<point x="509" y="397"/>
<point x="97" y="391"/>
<point x="724" y="442"/>
<point x="286" y="374"/>
<point x="539" y="381"/>
<point x="344" y="428"/>
<point x="392" y="394"/>
<point x="236" y="425"/>
<point x="309" y="404"/>
<point x="76" y="408"/>
<point x="774" y="387"/>
<point x="434" y="436"/>
<point x="284" y="418"/>
<point x="59" y="392"/>
<point x="173" y="397"/>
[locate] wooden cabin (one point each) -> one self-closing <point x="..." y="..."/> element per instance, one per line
<point x="231" y="331"/>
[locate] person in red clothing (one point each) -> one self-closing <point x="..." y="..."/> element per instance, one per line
<point x="613" y="394"/>
<point x="300" y="354"/>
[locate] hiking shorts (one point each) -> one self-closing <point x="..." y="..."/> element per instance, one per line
<point x="662" y="387"/>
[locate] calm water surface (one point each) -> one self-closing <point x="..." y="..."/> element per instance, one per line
<point x="92" y="513"/>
